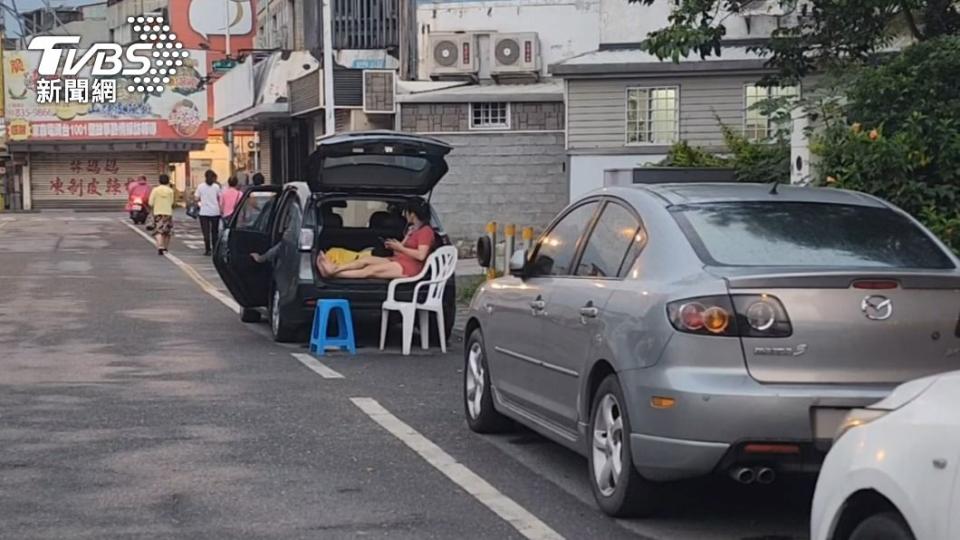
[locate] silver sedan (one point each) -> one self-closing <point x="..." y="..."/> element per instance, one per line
<point x="672" y="331"/>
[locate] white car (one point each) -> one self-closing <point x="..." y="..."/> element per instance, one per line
<point x="893" y="470"/>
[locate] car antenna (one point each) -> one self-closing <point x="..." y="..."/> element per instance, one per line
<point x="773" y="189"/>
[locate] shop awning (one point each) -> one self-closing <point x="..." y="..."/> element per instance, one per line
<point x="253" y="93"/>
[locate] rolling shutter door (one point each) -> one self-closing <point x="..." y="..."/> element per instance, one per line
<point x="264" y="150"/>
<point x="92" y="180"/>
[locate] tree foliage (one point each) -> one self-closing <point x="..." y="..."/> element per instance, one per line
<point x="752" y="161"/>
<point x="812" y="35"/>
<point x="897" y="134"/>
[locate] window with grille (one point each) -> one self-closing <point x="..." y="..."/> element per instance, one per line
<point x="652" y="115"/>
<point x="759" y="122"/>
<point x="490" y="115"/>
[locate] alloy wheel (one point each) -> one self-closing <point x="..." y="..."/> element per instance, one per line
<point x="607" y="445"/>
<point x="474" y="380"/>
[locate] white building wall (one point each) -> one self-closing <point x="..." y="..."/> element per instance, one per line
<point x="587" y="173"/>
<point x="624" y="22"/>
<point x="565" y="27"/>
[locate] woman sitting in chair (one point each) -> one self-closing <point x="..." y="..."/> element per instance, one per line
<point x="408" y="256"/>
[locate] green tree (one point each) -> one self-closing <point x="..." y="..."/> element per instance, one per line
<point x="817" y="35"/>
<point x="897" y="134"/>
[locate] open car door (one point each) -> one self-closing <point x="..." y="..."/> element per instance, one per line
<point x="248" y="231"/>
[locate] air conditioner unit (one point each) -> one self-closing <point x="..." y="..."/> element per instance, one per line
<point x="452" y="55"/>
<point x="515" y="53"/>
<point x="379" y="91"/>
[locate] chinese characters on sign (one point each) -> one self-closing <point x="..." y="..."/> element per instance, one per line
<point x="76" y="90"/>
<point x="92" y="186"/>
<point x="94" y="130"/>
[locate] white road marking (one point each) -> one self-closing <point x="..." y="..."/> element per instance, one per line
<point x="526" y="523"/>
<point x="207" y="287"/>
<point x="193" y="244"/>
<point x="317" y="367"/>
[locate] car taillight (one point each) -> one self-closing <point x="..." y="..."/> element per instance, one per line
<point x="306" y="239"/>
<point x="748" y="315"/>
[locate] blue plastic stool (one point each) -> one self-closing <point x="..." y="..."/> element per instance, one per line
<point x="319" y="340"/>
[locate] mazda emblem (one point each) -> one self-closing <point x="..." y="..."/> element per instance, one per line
<point x="877" y="308"/>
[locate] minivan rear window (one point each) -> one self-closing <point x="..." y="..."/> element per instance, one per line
<point x="800" y="234"/>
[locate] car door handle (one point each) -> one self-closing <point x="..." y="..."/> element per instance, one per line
<point x="589" y="311"/>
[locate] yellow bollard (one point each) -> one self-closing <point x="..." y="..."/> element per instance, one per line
<point x="509" y="243"/>
<point x="492" y="235"/>
<point x="527" y="236"/>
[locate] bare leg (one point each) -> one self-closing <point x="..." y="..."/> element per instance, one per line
<point x="390" y="270"/>
<point x="328" y="269"/>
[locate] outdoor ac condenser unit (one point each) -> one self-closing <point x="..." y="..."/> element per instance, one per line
<point x="515" y="53"/>
<point x="452" y="55"/>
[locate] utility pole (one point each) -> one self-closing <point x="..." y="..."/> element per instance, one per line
<point x="330" y="117"/>
<point x="226" y="4"/>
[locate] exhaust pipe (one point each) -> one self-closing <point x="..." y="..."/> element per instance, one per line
<point x="744" y="475"/>
<point x="765" y="475"/>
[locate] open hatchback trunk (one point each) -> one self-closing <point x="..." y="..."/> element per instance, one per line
<point x="377" y="162"/>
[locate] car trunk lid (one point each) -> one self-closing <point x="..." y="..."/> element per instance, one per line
<point x="873" y="327"/>
<point x="377" y="162"/>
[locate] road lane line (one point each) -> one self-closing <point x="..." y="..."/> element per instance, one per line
<point x="315" y="366"/>
<point x="526" y="523"/>
<point x="207" y="287"/>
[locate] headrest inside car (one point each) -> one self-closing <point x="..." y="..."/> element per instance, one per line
<point x="331" y="220"/>
<point x="380" y="220"/>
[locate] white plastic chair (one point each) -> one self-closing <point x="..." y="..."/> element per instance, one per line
<point x="440" y="265"/>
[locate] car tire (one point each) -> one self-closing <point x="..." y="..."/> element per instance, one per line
<point x="478" y="407"/>
<point x="885" y="526"/>
<point x="281" y="330"/>
<point x="250" y="315"/>
<point x="622" y="493"/>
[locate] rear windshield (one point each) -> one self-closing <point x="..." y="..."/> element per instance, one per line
<point x="806" y="235"/>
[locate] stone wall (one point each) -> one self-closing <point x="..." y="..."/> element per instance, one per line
<point x="434" y="117"/>
<point x="536" y="116"/>
<point x="440" y="117"/>
<point x="508" y="177"/>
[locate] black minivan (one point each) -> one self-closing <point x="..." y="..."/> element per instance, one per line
<point x="357" y="184"/>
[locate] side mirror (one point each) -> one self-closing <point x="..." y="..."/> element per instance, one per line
<point x="518" y="263"/>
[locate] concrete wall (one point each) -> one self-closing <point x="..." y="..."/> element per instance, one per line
<point x="507" y="177"/>
<point x="587" y="173"/>
<point x="565" y="27"/>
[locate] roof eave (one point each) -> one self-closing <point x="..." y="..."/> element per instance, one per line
<point x="654" y="69"/>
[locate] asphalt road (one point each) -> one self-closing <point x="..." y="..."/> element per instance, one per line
<point x="135" y="404"/>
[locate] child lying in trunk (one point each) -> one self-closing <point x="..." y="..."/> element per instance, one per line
<point x="408" y="256"/>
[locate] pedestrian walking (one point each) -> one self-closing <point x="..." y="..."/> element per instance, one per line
<point x="229" y="199"/>
<point x="208" y="195"/>
<point x="258" y="179"/>
<point x="161" y="204"/>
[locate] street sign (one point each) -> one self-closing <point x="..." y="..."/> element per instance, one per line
<point x="224" y="65"/>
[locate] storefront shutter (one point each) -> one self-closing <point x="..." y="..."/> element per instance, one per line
<point x="91" y="180"/>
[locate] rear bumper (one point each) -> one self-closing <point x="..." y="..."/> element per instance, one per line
<point x="717" y="411"/>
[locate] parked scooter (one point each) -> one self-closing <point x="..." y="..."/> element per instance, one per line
<point x="138" y="193"/>
<point x="138" y="211"/>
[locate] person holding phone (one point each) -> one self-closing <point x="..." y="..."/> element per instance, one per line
<point x="408" y="255"/>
